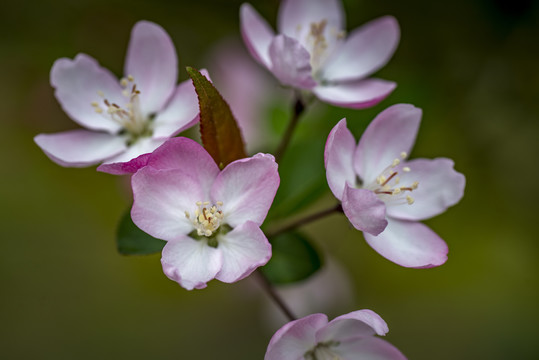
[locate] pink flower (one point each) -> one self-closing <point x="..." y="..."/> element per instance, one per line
<point x="125" y="118"/>
<point x="210" y="218"/>
<point x="349" y="336"/>
<point x="311" y="51"/>
<point x="385" y="196"/>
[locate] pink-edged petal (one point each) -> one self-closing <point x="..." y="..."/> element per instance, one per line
<point x="360" y="323"/>
<point x="366" y="50"/>
<point x="409" y="244"/>
<point x="124" y="168"/>
<point x="364" y="210"/>
<point x="78" y="83"/>
<point x="338" y="158"/>
<point x="296" y="16"/>
<point x="189" y="156"/>
<point x="191" y="263"/>
<point x="140" y="147"/>
<point x="161" y="198"/>
<point x="368" y="348"/>
<point x="244" y="249"/>
<point x="393" y="131"/>
<point x="79" y="148"/>
<point x="440" y="187"/>
<point x="151" y="60"/>
<point x="291" y="62"/>
<point x="247" y="188"/>
<point x="180" y="113"/>
<point x="294" y="339"/>
<point x="256" y="33"/>
<point x="355" y="95"/>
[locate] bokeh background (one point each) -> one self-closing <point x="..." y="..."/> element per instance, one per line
<point x="67" y="294"/>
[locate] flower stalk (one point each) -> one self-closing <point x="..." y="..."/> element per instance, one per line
<point x="306" y="220"/>
<point x="266" y="285"/>
<point x="299" y="108"/>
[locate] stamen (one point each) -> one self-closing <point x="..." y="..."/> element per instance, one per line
<point x="406" y="169"/>
<point x="409" y="199"/>
<point x="207" y="219"/>
<point x="124" y="82"/>
<point x="395" y="162"/>
<point x="389" y="178"/>
<point x="130" y="78"/>
<point x="404" y="154"/>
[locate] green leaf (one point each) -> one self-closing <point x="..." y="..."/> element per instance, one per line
<point x="133" y="241"/>
<point x="303" y="179"/>
<point x="293" y="259"/>
<point x="219" y="130"/>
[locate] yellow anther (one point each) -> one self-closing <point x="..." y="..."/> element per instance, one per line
<point x="98" y="110"/>
<point x="415" y="184"/>
<point x="395" y="162"/>
<point x="124" y="82"/>
<point x="404" y="154"/>
<point x="130" y="78"/>
<point x="219" y="203"/>
<point x="199" y="203"/>
<point x="406" y="169"/>
<point x="94" y="104"/>
<point x="187" y="215"/>
<point x="381" y="179"/>
<point x="409" y="199"/>
<point x="397" y="180"/>
<point x="396" y="191"/>
<point x="100" y="93"/>
<point x="206" y="203"/>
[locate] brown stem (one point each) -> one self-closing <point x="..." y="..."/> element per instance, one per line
<point x="299" y="107"/>
<point x="306" y="220"/>
<point x="266" y="285"/>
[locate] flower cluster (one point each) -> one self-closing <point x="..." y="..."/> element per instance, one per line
<point x="210" y="211"/>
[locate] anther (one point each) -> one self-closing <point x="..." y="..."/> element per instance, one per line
<point x="130" y="78"/>
<point x="404" y="154"/>
<point x="406" y="169"/>
<point x="395" y="162"/>
<point x="100" y="93"/>
<point x="123" y="82"/>
<point x="409" y="199"/>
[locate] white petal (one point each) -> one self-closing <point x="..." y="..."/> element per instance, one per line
<point x="79" y="83"/>
<point x="244" y="249"/>
<point x="409" y="244"/>
<point x="161" y="198"/>
<point x="392" y="132"/>
<point x="151" y="60"/>
<point x="79" y="148"/>
<point x="191" y="263"/>
<point x="365" y="50"/>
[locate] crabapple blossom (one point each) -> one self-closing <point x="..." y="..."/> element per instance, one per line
<point x="123" y="118"/>
<point x="210" y="218"/>
<point x="312" y="52"/>
<point x="349" y="336"/>
<point x="384" y="195"/>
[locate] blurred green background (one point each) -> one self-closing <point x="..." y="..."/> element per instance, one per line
<point x="67" y="294"/>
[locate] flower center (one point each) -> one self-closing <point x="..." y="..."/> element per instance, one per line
<point x="130" y="117"/>
<point x="388" y="185"/>
<point x="318" y="43"/>
<point x="323" y="351"/>
<point x="206" y="219"/>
